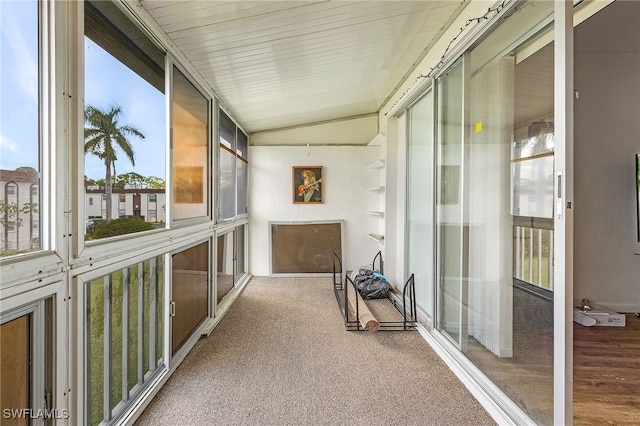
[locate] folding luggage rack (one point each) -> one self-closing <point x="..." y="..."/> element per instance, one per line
<point x="397" y="310"/>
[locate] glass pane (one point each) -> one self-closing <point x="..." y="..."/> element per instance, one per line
<point x="420" y="237"/>
<point x="15" y="385"/>
<point x="19" y="117"/>
<point x="190" y="152"/>
<point x="449" y="213"/>
<point x="227" y="167"/>
<point x="190" y="275"/>
<point x="124" y="125"/>
<point x="242" y="171"/>
<point x="225" y="279"/>
<point x="509" y="173"/>
<point x="240" y="264"/>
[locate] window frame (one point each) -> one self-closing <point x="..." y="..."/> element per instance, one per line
<point x="244" y="158"/>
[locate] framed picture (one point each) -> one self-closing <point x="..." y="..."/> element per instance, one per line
<point x="308" y="184"/>
<point x="189" y="184"/>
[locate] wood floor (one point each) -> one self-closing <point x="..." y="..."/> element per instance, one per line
<point x="606" y="374"/>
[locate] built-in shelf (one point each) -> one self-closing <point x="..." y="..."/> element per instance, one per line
<point x="378" y="164"/>
<point x="376" y="189"/>
<point x="376" y="213"/>
<point x="378" y="140"/>
<point x="378" y="237"/>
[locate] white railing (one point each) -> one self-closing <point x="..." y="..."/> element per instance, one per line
<point x="533" y="255"/>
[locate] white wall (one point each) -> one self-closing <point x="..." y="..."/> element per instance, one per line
<point x="346" y="180"/>
<point x="607" y="137"/>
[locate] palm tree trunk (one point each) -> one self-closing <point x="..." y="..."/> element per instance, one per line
<point x="108" y="188"/>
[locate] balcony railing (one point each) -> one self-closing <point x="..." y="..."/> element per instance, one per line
<point x="124" y="335"/>
<point x="533" y="251"/>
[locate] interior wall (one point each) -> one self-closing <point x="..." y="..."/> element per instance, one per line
<point x="345" y="197"/>
<point x="607" y="137"/>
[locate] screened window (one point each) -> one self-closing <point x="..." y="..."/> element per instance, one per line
<point x="19" y="120"/>
<point x="125" y="103"/>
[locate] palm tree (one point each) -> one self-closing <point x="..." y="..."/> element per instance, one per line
<point x="102" y="137"/>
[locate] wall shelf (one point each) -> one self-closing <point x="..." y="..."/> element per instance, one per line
<point x="376" y="213"/>
<point x="376" y="189"/>
<point x="378" y="164"/>
<point x="377" y="237"/>
<point x="378" y="140"/>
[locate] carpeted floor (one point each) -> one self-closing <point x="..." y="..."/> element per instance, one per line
<point x="281" y="356"/>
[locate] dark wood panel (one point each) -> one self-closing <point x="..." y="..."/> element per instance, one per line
<point x="304" y="247"/>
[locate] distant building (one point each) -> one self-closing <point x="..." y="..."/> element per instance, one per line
<point x="137" y="202"/>
<point x="19" y="205"/>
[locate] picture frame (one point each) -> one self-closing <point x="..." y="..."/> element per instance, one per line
<point x="307" y="184"/>
<point x="189" y="184"/>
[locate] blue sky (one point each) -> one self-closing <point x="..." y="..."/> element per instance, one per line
<point x="18" y="85"/>
<point x="107" y="82"/>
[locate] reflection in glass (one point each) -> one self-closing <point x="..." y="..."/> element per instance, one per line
<point x="508" y="173"/>
<point x="20" y="211"/>
<point x="452" y="287"/>
<point x="190" y="153"/>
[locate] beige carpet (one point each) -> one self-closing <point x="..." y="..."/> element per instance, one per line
<point x="281" y="356"/>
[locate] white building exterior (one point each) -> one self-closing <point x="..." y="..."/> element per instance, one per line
<point x="147" y="203"/>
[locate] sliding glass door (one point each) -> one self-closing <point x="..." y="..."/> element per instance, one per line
<point x="450" y="230"/>
<point x="494" y="162"/>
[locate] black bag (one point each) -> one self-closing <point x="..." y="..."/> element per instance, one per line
<point x="371" y="285"/>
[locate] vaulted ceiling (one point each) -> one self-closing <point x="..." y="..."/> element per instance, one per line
<point x="279" y="64"/>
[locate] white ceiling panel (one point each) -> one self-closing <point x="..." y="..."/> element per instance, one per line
<point x="278" y="64"/>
